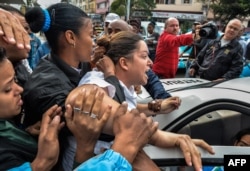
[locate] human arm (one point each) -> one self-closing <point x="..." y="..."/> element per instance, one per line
<point x="125" y="131"/>
<point x="159" y="138"/>
<point x="12" y="30"/>
<point x="194" y="67"/>
<point x="81" y="123"/>
<point x="185" y="143"/>
<point x="155" y="87"/>
<point x="48" y="139"/>
<point x="160" y="106"/>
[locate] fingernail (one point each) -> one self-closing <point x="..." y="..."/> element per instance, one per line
<point x="19" y="45"/>
<point x="28" y="46"/>
<point x="12" y="40"/>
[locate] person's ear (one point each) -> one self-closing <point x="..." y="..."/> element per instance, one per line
<point x="70" y="37"/>
<point x="123" y="62"/>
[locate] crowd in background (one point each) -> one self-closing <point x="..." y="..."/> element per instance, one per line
<point x="53" y="95"/>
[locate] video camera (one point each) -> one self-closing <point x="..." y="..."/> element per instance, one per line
<point x="209" y="31"/>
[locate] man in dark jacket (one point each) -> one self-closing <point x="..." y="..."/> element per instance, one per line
<point x="221" y="58"/>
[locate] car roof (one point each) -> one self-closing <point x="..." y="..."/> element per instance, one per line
<point x="203" y="93"/>
<point x="242" y="84"/>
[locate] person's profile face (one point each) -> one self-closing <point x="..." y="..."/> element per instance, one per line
<point x="84" y="41"/>
<point x="244" y="141"/>
<point x="139" y="65"/>
<point x="10" y="91"/>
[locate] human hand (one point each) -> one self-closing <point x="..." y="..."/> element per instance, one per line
<point x="86" y="121"/>
<point x="170" y="104"/>
<point x="98" y="54"/>
<point x="106" y="65"/>
<point x="191" y="71"/>
<point x="190" y="150"/>
<point x="48" y="139"/>
<point x="12" y="31"/>
<point x="34" y="129"/>
<point x="132" y="130"/>
<point x="138" y="89"/>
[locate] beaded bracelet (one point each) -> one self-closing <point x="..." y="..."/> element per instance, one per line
<point x="155" y="105"/>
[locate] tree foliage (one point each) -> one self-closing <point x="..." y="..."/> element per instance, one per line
<point x="119" y="6"/>
<point x="225" y="10"/>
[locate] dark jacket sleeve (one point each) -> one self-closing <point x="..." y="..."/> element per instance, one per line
<point x="155" y="87"/>
<point x="200" y="57"/>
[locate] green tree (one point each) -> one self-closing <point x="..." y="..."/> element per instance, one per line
<point x="119" y="6"/>
<point x="225" y="10"/>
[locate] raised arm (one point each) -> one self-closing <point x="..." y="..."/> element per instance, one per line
<point x="159" y="138"/>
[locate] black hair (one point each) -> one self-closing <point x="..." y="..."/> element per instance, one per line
<point x="152" y="23"/>
<point x="240" y="134"/>
<point x="2" y="54"/>
<point x="11" y="9"/>
<point x="62" y="17"/>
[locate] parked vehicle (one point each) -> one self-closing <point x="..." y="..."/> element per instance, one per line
<point x="159" y="27"/>
<point x="213" y="111"/>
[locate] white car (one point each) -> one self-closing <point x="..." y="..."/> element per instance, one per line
<point x="213" y="111"/>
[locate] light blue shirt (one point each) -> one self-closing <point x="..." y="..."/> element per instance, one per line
<point x="107" y="161"/>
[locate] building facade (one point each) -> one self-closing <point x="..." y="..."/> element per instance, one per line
<point x="181" y="9"/>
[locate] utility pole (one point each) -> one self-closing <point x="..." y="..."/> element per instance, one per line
<point x="128" y="10"/>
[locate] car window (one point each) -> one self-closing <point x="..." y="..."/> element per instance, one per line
<point x="217" y="127"/>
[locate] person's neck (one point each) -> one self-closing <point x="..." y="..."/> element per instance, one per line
<point x="123" y="78"/>
<point x="69" y="59"/>
<point x="226" y="38"/>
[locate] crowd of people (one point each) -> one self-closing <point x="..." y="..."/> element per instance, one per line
<point x="68" y="103"/>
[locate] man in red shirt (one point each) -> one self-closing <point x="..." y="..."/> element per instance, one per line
<point x="167" y="51"/>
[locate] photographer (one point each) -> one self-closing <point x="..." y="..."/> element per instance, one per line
<point x="221" y="58"/>
<point x="196" y="47"/>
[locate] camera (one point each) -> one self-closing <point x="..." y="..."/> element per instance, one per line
<point x="209" y="31"/>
